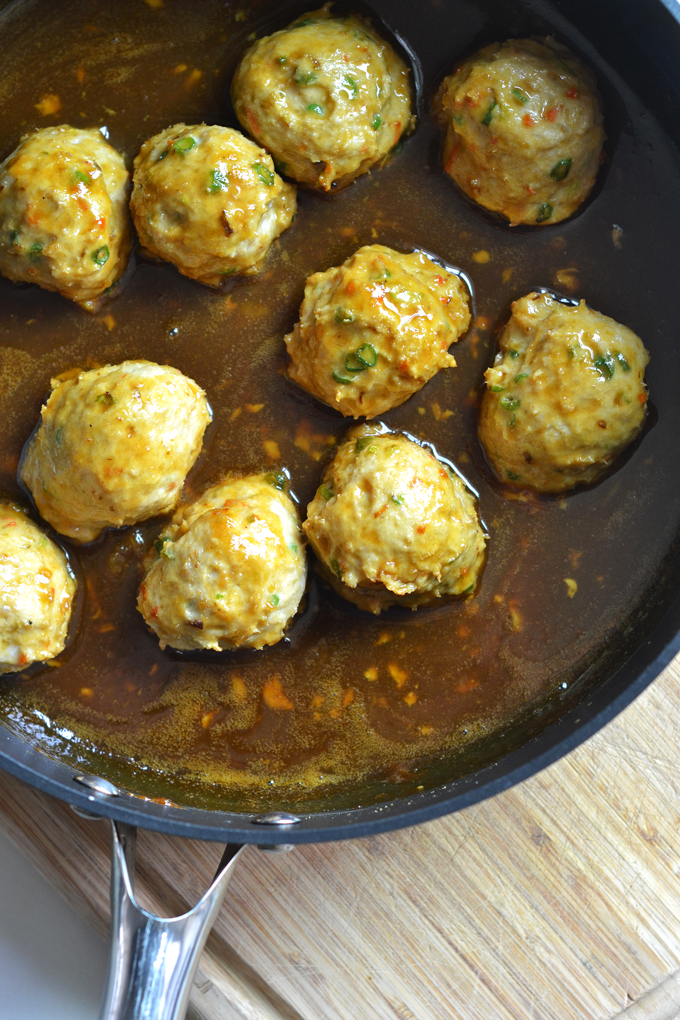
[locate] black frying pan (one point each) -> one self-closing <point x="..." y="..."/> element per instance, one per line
<point x="634" y="45"/>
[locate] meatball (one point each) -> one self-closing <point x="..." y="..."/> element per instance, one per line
<point x="230" y="570"/>
<point x="375" y="329"/>
<point x="564" y="397"/>
<point x="209" y="201"/>
<point x="114" y="446"/>
<point x="327" y="96"/>
<point x="393" y="525"/>
<point x="523" y="130"/>
<point x="64" y="222"/>
<point x="36" y="592"/>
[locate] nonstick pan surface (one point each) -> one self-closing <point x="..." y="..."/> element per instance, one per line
<point x="537" y="675"/>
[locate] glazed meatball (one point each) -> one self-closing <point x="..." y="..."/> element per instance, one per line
<point x="523" y="130"/>
<point x="36" y="592"/>
<point x="114" y="446"/>
<point x="375" y="329"/>
<point x="564" y="397"/>
<point x="327" y="96"/>
<point x="64" y="221"/>
<point x="391" y="524"/>
<point x="230" y="570"/>
<point x="208" y="200"/>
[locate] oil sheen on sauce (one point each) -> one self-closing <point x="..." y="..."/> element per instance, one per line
<point x="381" y="706"/>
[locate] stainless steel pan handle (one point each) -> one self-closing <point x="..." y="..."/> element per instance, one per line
<point x="153" y="960"/>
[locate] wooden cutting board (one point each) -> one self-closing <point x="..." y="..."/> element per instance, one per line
<point x="557" y="900"/>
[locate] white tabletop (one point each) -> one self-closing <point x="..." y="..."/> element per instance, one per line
<point x="51" y="964"/>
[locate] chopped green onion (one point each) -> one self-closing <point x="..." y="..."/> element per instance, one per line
<point x="513" y="353"/>
<point x="275" y="600"/>
<point x="571" y="352"/>
<point x="351" y="86"/>
<point x="398" y="147"/>
<point x="604" y="363"/>
<point x="276" y="478"/>
<point x="183" y="145"/>
<point x="13" y="236"/>
<point x="305" y="21"/>
<point x="282" y="60"/>
<point x="486" y="119"/>
<point x="522" y="375"/>
<point x="106" y="398"/>
<point x="35" y="252"/>
<point x="83" y="178"/>
<point x="325" y="491"/>
<point x="512" y="476"/>
<point x="219" y="596"/>
<point x="158" y="545"/>
<point x="466" y="591"/>
<point x="315" y="108"/>
<point x="561" y="169"/>
<point x="335" y="567"/>
<point x="305" y="77"/>
<point x="293" y="548"/>
<point x="509" y="403"/>
<point x="218" y="181"/>
<point x="162" y="155"/>
<point x="497" y="389"/>
<point x="376" y="122"/>
<point x="343" y="315"/>
<point x="520" y="95"/>
<point x="622" y="361"/>
<point x="58" y="433"/>
<point x="398" y="499"/>
<point x="352" y="363"/>
<point x="341" y="379"/>
<point x="101" y="255"/>
<point x="545" y="211"/>
<point x="458" y="119"/>
<point x="367" y="355"/>
<point x="264" y="173"/>
<point x="361" y="443"/>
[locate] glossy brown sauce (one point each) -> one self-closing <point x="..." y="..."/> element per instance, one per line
<point x="448" y="681"/>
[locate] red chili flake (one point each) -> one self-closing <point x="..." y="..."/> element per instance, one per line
<point x="532" y="191"/>
<point x="553" y="111"/>
<point x="439" y="280"/>
<point x="154" y="611"/>
<point x="572" y="92"/>
<point x="642" y="397"/>
<point x="528" y="120"/>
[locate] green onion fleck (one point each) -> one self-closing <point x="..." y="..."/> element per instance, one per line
<point x="282" y="60"/>
<point x="622" y="361"/>
<point x="522" y="375"/>
<point x="275" y="600"/>
<point x="497" y="389"/>
<point x="520" y="95"/>
<point x="604" y="363"/>
<point x="276" y="478"/>
<point x="219" y="596"/>
<point x="561" y="169"/>
<point x="341" y="379"/>
<point x="513" y="353"/>
<point x="13" y="236"/>
<point x="512" y="476"/>
<point x="83" y="178"/>
<point x="343" y="315"/>
<point x="361" y="443"/>
<point x="58" y="433"/>
<point x="158" y="546"/>
<point x="486" y="119"/>
<point x="107" y="399"/>
<point x="571" y="352"/>
<point x="101" y="256"/>
<point x="218" y="181"/>
<point x="294" y="548"/>
<point x="376" y="122"/>
<point x="305" y="77"/>
<point x="351" y="86"/>
<point x="545" y="211"/>
<point x="264" y="173"/>
<point x="352" y="363"/>
<point x="509" y="403"/>
<point x="398" y="499"/>
<point x="305" y="21"/>
<point x="325" y="491"/>
<point x="458" y="119"/>
<point x="183" y="145"/>
<point x="335" y="567"/>
<point x="35" y="252"/>
<point x="315" y="108"/>
<point x="367" y="355"/>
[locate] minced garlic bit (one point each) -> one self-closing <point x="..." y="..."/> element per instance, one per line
<point x="410" y="698"/>
<point x="400" y="676"/>
<point x="507" y="273"/>
<point x="572" y="586"/>
<point x="49" y="105"/>
<point x="440" y="415"/>
<point x="273" y="694"/>
<point x="271" y="448"/>
<point x="482" y="257"/>
<point x="371" y="673"/>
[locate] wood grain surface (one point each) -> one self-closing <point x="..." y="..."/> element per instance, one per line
<point x="556" y="900"/>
